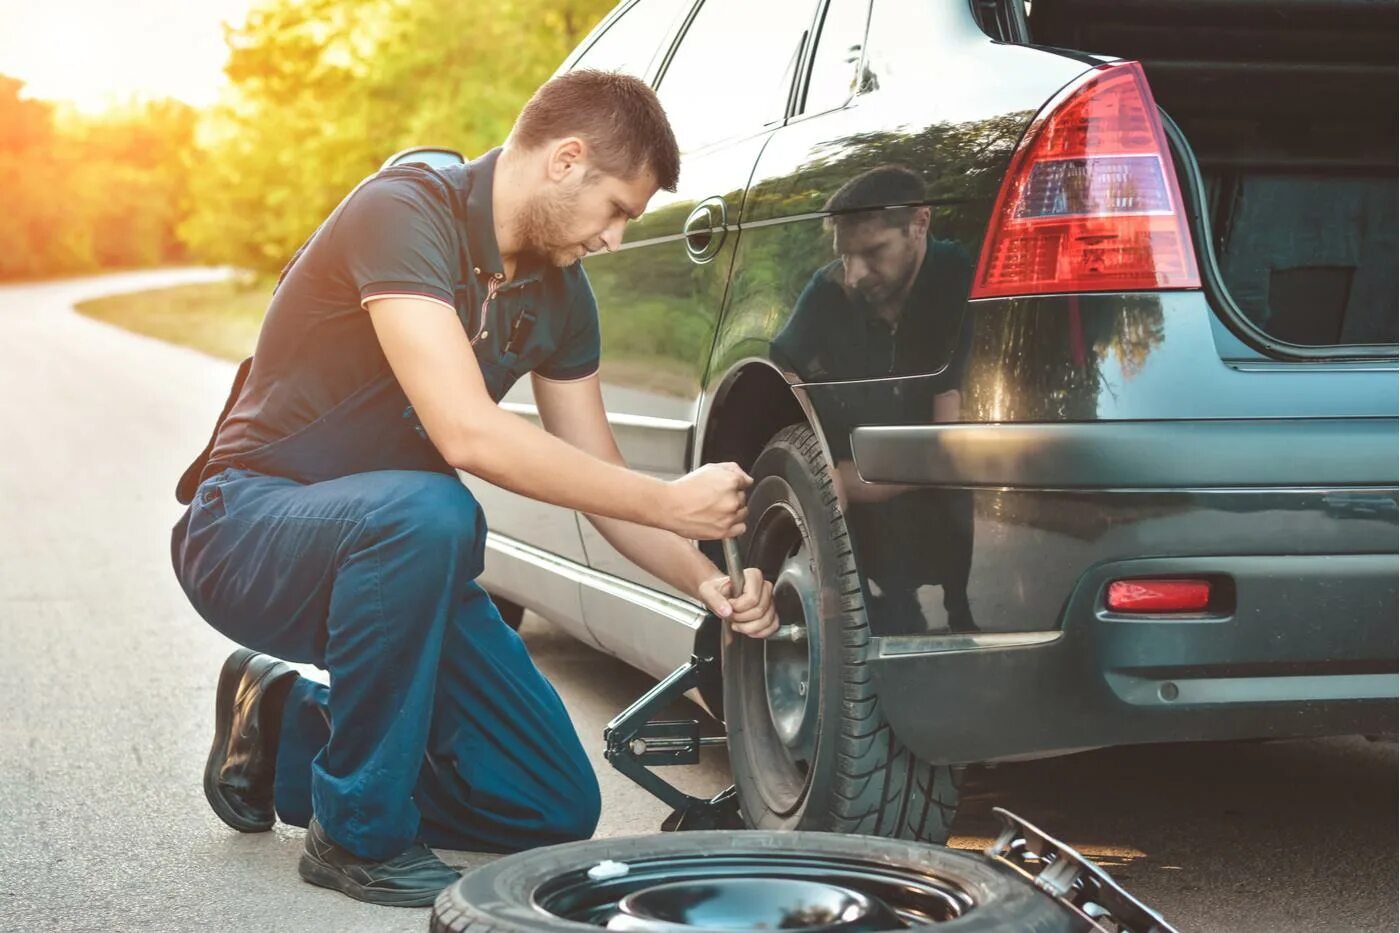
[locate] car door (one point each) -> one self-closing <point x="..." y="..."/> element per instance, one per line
<point x="725" y="86"/>
<point x="535" y="553"/>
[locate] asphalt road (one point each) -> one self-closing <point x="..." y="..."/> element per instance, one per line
<point x="107" y="682"/>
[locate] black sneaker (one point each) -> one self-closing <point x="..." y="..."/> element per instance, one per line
<point x="238" y="776"/>
<point x="413" y="878"/>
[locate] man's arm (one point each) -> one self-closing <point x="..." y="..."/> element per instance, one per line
<point x="574" y="412"/>
<point x="947" y="408"/>
<point x="434" y="363"/>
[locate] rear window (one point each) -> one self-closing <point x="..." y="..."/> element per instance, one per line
<point x="629" y="44"/>
<point x="725" y="81"/>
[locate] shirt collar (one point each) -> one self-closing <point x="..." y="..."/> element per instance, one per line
<point x="481" y="220"/>
<point x="481" y="225"/>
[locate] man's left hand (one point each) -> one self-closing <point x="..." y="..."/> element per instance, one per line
<point x="751" y="613"/>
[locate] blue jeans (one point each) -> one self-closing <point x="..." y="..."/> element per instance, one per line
<point x="437" y="726"/>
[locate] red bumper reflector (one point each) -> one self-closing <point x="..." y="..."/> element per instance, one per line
<point x="1155" y="596"/>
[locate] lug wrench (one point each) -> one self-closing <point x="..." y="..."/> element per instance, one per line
<point x="793" y="633"/>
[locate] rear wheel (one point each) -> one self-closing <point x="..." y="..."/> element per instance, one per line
<point x="808" y="744"/>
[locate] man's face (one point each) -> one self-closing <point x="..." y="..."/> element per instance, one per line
<point x="878" y="260"/>
<point x="583" y="212"/>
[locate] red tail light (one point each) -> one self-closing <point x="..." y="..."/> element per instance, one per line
<point x="1090" y="201"/>
<point x="1155" y="596"/>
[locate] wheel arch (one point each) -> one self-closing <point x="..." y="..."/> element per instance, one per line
<point x="741" y="411"/>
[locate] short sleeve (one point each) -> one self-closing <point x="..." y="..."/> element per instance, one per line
<point x="797" y="347"/>
<point x="580" y="349"/>
<point x="396" y="240"/>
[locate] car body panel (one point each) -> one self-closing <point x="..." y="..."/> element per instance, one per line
<point x="997" y="524"/>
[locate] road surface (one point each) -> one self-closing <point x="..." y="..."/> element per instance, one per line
<point x="107" y="681"/>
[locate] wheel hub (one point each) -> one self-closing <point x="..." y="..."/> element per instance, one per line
<point x="788" y="665"/>
<point x="752" y="903"/>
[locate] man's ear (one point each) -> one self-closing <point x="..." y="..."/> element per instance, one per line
<point x="566" y="158"/>
<point x="919" y="225"/>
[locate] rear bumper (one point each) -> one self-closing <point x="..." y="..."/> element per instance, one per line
<point x="1236" y="453"/>
<point x="1309" y="648"/>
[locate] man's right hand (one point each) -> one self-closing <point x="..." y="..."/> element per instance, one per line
<point x="708" y="503"/>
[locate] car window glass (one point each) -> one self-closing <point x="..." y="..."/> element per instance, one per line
<point x="630" y="42"/>
<point x="898" y="42"/>
<point x="838" y="54"/>
<point x="733" y="70"/>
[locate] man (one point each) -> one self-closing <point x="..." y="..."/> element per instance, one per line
<point x="330" y="526"/>
<point x="892" y="305"/>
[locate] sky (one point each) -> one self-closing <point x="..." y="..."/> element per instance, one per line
<point x="97" y="53"/>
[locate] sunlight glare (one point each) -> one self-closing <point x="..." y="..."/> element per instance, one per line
<point x="99" y="54"/>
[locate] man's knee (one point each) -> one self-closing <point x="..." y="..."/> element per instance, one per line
<point x="431" y="512"/>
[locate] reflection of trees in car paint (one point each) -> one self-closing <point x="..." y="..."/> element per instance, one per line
<point x="960" y="164"/>
<point x="891" y="303"/>
<point x="1043" y="361"/>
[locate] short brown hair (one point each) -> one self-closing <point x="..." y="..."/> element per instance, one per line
<point x="617" y="115"/>
<point x="894" y="187"/>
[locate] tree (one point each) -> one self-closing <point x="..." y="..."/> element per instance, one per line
<point x="322" y="91"/>
<point x="84" y="193"/>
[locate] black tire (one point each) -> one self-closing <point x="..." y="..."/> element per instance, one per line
<point x="511" y="613"/>
<point x="503" y="895"/>
<point x="843" y="769"/>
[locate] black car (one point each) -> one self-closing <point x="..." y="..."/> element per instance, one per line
<point x="1060" y="340"/>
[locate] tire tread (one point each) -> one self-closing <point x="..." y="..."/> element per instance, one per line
<point x="880" y="788"/>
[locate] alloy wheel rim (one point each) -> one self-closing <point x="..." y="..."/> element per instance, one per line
<point x="779" y="676"/>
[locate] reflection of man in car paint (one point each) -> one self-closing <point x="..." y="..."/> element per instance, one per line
<point x="891" y="305"/>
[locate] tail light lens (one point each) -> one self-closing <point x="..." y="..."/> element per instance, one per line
<point x="1158" y="596"/>
<point x="1090" y="201"/>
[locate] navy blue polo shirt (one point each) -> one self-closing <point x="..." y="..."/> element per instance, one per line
<point x="396" y="235"/>
<point x="833" y="337"/>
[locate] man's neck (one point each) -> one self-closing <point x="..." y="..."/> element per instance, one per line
<point x="506" y="199"/>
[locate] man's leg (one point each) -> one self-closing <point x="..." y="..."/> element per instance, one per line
<point x="504" y="769"/>
<point x="359" y="575"/>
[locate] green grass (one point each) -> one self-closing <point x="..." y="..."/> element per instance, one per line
<point x="218" y="318"/>
<point x="223" y="318"/>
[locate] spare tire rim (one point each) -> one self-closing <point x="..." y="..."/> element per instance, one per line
<point x="747" y="892"/>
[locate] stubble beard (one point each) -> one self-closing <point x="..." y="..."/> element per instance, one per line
<point x="543" y="225"/>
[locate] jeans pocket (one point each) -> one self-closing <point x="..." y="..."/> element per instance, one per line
<point x="210" y="495"/>
<point x="211" y="500"/>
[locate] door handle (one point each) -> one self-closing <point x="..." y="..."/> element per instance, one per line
<point x="704" y="229"/>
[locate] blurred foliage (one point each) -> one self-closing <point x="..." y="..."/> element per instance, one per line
<point x="322" y="91"/>
<point x="83" y="193"/>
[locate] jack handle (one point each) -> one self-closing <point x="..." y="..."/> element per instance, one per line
<point x="735" y="568"/>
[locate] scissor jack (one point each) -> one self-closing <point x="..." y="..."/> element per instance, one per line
<point x="635" y="744"/>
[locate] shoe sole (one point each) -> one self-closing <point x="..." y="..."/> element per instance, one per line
<point x="227" y="692"/>
<point x="319" y="873"/>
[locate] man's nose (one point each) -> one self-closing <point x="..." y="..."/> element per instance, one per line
<point x="855" y="272"/>
<point x="612" y="237"/>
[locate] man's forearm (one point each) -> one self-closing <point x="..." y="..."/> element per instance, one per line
<point x="661" y="553"/>
<point x="510" y="452"/>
